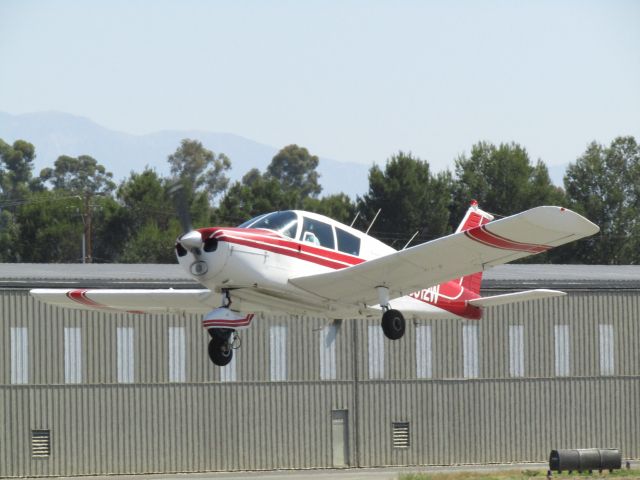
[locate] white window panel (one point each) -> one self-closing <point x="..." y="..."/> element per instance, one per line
<point x="328" y="352"/>
<point x="470" y="351"/>
<point x="72" y="355"/>
<point x="19" y="355"/>
<point x="516" y="350"/>
<point x="423" y="351"/>
<point x="177" y="355"/>
<point x="607" y="363"/>
<point x="376" y="352"/>
<point x="562" y="350"/>
<point x="125" y="354"/>
<point x="278" y="350"/>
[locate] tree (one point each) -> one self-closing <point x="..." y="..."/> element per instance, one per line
<point x="149" y="244"/>
<point x="254" y="195"/>
<point x="503" y="180"/>
<point x="85" y="177"/>
<point x="339" y="207"/>
<point x="143" y="226"/>
<point x="50" y="226"/>
<point x="200" y="170"/>
<point x="411" y="199"/>
<point x="295" y="168"/>
<point x="16" y="165"/>
<point x="604" y="185"/>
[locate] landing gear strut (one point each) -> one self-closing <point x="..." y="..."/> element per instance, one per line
<point x="393" y="324"/>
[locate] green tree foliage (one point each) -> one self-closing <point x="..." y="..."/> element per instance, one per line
<point x="503" y="180"/>
<point x="16" y="165"/>
<point x="200" y="170"/>
<point x="81" y="176"/>
<point x="339" y="207"/>
<point x="254" y="195"/>
<point x="85" y="177"/>
<point x="149" y="244"/>
<point x="51" y="228"/>
<point x="604" y="185"/>
<point x="295" y="168"/>
<point x="143" y="215"/>
<point x="16" y="183"/>
<point x="411" y="198"/>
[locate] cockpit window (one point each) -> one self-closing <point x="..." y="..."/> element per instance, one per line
<point x="248" y="223"/>
<point x="347" y="242"/>
<point x="285" y="222"/>
<point x="317" y="233"/>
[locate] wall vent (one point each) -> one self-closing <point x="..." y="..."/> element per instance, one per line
<point x="40" y="443"/>
<point x="400" y="434"/>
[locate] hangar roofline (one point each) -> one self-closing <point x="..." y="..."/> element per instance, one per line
<point x="502" y="277"/>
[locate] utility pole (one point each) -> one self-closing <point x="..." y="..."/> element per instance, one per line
<point x="87" y="255"/>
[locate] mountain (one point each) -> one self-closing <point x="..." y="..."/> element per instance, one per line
<point x="55" y="134"/>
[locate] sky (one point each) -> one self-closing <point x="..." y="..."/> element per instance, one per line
<point x="350" y="80"/>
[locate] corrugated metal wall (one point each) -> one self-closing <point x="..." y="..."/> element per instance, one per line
<point x="238" y="418"/>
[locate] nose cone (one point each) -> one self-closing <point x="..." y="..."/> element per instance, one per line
<point x="192" y="239"/>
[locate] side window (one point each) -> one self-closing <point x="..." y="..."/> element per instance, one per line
<point x="348" y="243"/>
<point x="317" y="233"/>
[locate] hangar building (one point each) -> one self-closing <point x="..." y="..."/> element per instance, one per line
<point x="100" y="392"/>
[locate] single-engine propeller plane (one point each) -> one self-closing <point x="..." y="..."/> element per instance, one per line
<point x="304" y="263"/>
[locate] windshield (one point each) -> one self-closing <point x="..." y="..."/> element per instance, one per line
<point x="285" y="222"/>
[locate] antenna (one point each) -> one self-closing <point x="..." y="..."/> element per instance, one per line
<point x="411" y="239"/>
<point x="373" y="221"/>
<point x="355" y="218"/>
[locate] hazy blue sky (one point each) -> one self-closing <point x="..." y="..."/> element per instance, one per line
<point x="350" y="80"/>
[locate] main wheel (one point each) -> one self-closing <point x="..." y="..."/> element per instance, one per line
<point x="220" y="352"/>
<point x="393" y="324"/>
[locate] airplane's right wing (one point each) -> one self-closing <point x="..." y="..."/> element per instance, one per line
<point x="447" y="258"/>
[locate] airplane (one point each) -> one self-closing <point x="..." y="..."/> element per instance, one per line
<point x="303" y="263"/>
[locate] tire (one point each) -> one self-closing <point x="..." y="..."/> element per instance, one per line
<point x="393" y="324"/>
<point x="220" y="352"/>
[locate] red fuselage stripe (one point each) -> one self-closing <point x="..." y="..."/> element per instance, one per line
<point x="299" y="251"/>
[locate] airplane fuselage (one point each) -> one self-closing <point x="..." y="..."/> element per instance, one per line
<point x="257" y="263"/>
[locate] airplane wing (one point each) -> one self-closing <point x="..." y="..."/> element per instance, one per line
<point x="130" y="300"/>
<point x="447" y="258"/>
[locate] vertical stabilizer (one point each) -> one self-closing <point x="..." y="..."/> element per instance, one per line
<point x="473" y="218"/>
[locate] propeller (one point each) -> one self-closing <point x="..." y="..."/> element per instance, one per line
<point x="190" y="239"/>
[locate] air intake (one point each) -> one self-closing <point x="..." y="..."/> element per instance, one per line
<point x="40" y="443"/>
<point x="401" y="435"/>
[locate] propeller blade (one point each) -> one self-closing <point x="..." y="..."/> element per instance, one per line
<point x="179" y="195"/>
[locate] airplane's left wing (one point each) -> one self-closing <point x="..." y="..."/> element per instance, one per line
<point x="130" y="300"/>
<point x="447" y="258"/>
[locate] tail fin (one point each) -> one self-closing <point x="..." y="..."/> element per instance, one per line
<point x="473" y="218"/>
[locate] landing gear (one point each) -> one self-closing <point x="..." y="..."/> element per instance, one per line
<point x="221" y="345"/>
<point x="393" y="324"/>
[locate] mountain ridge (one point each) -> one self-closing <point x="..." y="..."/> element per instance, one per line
<point x="56" y="133"/>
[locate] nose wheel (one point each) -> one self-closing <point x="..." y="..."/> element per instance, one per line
<point x="221" y="345"/>
<point x="393" y="324"/>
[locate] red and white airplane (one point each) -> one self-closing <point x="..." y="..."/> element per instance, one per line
<point x="303" y="263"/>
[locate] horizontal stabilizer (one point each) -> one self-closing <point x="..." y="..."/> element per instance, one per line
<point x="516" y="297"/>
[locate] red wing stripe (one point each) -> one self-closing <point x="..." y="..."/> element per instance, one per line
<point x="80" y="296"/>
<point x="484" y="236"/>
